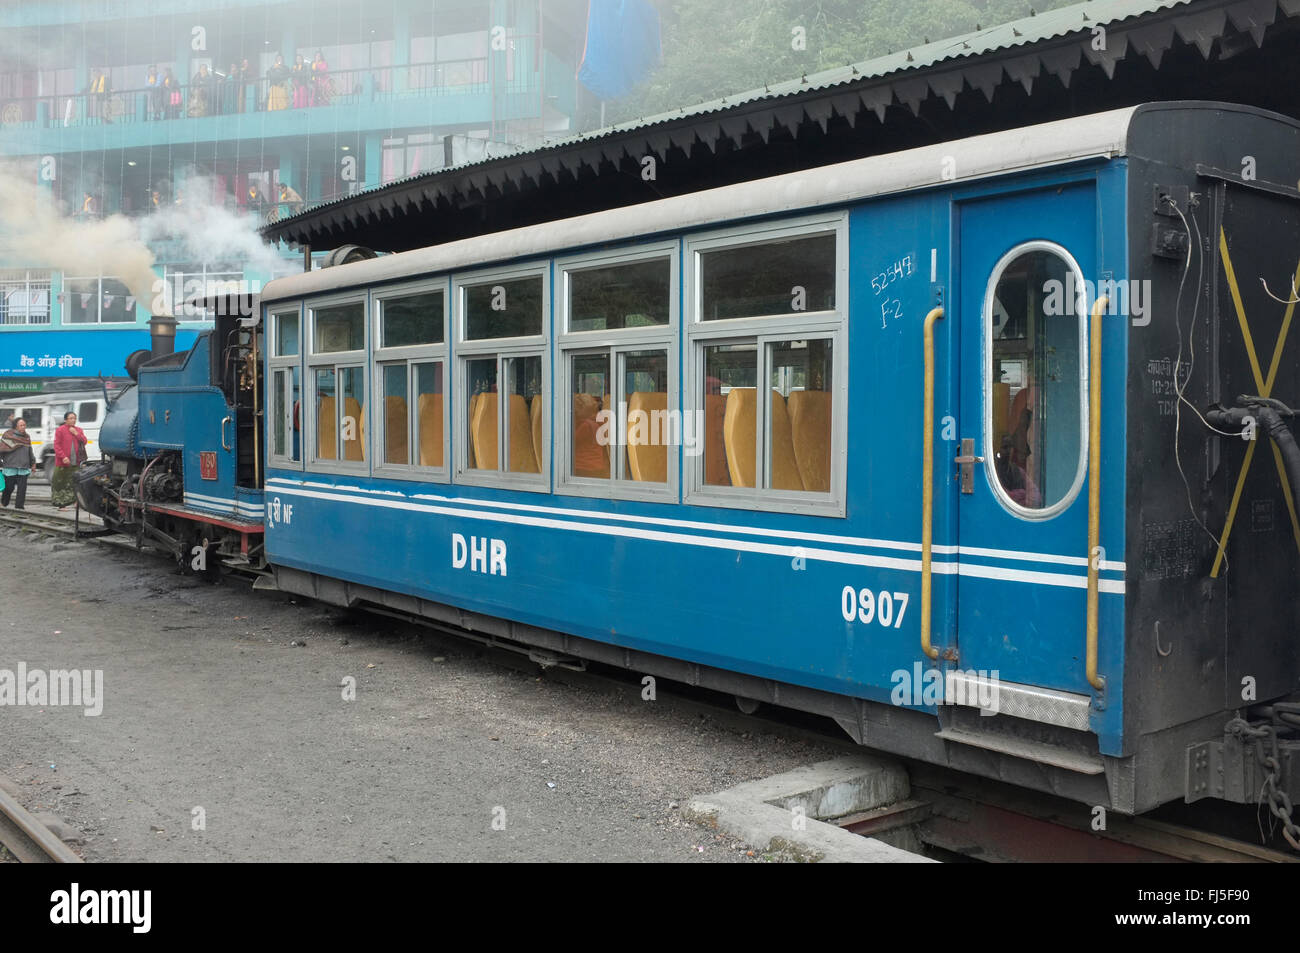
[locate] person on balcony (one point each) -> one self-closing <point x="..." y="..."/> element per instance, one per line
<point x="247" y="77"/>
<point x="301" y="77"/>
<point x="172" y="94"/>
<point x="100" y="89"/>
<point x="277" y="78"/>
<point x="255" y="202"/>
<point x="291" y="202"/>
<point x="230" y="90"/>
<point x="320" y="79"/>
<point x="153" y="83"/>
<point x="201" y="89"/>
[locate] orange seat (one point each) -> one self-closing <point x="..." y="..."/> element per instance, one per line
<point x="523" y="458"/>
<point x="483" y="430"/>
<point x="785" y="469"/>
<point x="395" y="449"/>
<point x="648" y="462"/>
<point x="354" y="433"/>
<point x="590" y="458"/>
<point x="535" y="411"/>
<point x="739" y="432"/>
<point x="429" y="429"/>
<point x="715" y="453"/>
<point x="810" y="425"/>
<point x="327" y="432"/>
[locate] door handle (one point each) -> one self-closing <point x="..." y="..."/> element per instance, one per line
<point x="968" y="461"/>
<point x="224" y="421"/>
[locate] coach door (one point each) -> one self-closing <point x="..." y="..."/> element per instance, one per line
<point x="1019" y="461"/>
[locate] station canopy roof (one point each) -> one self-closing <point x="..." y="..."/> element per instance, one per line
<point x="1083" y="58"/>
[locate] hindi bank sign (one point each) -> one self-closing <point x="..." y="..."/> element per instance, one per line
<point x="75" y="353"/>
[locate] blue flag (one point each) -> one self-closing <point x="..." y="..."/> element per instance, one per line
<point x="622" y="46"/>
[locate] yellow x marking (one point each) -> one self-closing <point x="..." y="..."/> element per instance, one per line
<point x="1265" y="387"/>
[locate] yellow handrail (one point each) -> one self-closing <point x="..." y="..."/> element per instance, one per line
<point x="927" y="481"/>
<point x="1094" y="485"/>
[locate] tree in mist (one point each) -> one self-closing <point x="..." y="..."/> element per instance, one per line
<point x="715" y="47"/>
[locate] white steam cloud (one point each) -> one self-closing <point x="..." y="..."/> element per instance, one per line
<point x="36" y="233"/>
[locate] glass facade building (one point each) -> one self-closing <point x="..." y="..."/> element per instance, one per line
<point x="200" y="121"/>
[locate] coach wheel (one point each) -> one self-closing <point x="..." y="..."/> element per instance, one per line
<point x="48" y="466"/>
<point x="747" y="705"/>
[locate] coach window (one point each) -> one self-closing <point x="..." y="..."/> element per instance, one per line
<point x="1037" y="400"/>
<point x="410" y="380"/>
<point x="337" y="376"/>
<point x="285" y="413"/>
<point x="501" y="389"/>
<point x="619" y="427"/>
<point x="768" y="316"/>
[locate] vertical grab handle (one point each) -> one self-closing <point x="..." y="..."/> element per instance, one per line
<point x="927" y="482"/>
<point x="1094" y="485"/>
<point x="224" y="421"/>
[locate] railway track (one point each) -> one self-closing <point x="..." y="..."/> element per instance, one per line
<point x="959" y="815"/>
<point x="27" y="839"/>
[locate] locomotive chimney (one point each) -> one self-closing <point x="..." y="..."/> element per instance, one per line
<point x="162" y="335"/>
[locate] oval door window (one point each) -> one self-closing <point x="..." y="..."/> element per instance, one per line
<point x="1037" y="398"/>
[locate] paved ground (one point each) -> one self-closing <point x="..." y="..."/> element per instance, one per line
<point x="209" y="704"/>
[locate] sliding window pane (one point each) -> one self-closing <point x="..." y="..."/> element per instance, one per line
<point x="590" y="454"/>
<point x="428" y="413"/>
<point x="352" y="426"/>
<point x="481" y="420"/>
<point x="327" y="415"/>
<point x="396" y="421"/>
<point x="730" y="421"/>
<point x="651" y="430"/>
<point x="799" y="424"/>
<point x="524" y="410"/>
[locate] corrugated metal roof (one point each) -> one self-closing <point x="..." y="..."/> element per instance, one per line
<point x="1055" y="43"/>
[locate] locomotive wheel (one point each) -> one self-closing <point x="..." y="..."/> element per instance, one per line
<point x="747" y="706"/>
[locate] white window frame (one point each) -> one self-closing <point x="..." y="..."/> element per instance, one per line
<point x="285" y="362"/>
<point x="762" y="331"/>
<point x="502" y="349"/>
<point x="338" y="361"/>
<point x="986" y="368"/>
<point x="30" y="277"/>
<point x="410" y="356"/>
<point x="99" y="302"/>
<point x="614" y="344"/>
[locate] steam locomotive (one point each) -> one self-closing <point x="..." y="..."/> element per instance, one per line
<point x="1018" y="497"/>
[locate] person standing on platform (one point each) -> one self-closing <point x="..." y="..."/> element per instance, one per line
<point x="277" y="79"/>
<point x="201" y="92"/>
<point x="16" y="463"/>
<point x="320" y="80"/>
<point x="99" y="91"/>
<point x="69" y="455"/>
<point x="301" y="75"/>
<point x="153" y="82"/>
<point x="291" y="202"/>
<point x="171" y="94"/>
<point x="230" y="91"/>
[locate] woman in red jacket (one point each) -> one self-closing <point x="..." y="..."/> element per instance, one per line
<point x="69" y="455"/>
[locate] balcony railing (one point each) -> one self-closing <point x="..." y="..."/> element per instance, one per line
<point x="218" y="96"/>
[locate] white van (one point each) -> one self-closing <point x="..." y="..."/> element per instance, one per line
<point x="44" y="413"/>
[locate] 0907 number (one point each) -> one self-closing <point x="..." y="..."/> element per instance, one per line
<point x="863" y="605"/>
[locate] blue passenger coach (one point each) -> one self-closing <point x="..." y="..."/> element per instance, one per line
<point x="555" y="436"/>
